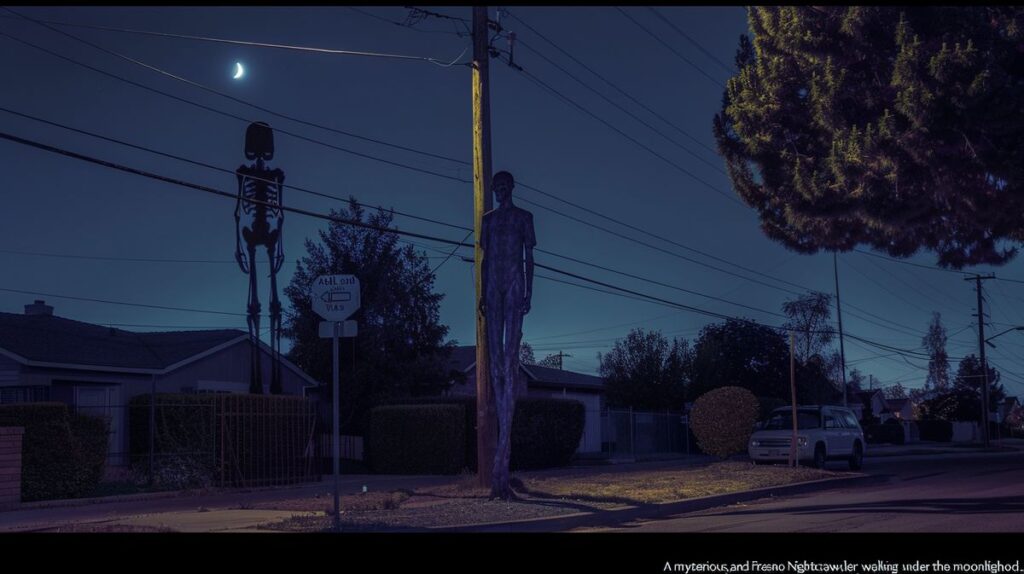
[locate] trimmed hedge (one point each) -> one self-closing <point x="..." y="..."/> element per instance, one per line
<point x="545" y="432"/>
<point x="62" y="454"/>
<point x="723" y="420"/>
<point x="939" y="431"/>
<point x="468" y="405"/>
<point x="884" y="433"/>
<point x="417" y="439"/>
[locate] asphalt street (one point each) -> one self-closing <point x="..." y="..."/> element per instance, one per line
<point x="938" y="493"/>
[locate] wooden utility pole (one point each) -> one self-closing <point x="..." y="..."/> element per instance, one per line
<point x="486" y="420"/>
<point x="981" y="350"/>
<point x="839" y="317"/>
<point x="792" y="390"/>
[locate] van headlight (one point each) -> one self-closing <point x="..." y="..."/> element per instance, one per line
<point x="755" y="442"/>
<point x="801" y="441"/>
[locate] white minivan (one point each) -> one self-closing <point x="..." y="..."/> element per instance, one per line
<point x="823" y="433"/>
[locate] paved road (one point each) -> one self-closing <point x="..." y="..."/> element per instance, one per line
<point x="940" y="493"/>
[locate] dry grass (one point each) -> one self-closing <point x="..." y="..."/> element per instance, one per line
<point x="644" y="487"/>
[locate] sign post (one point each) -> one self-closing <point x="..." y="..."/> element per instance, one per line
<point x="335" y="298"/>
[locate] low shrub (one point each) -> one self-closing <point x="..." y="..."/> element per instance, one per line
<point x="417" y="439"/>
<point x="468" y="405"/>
<point x="545" y="432"/>
<point x="723" y="420"/>
<point x="62" y="455"/>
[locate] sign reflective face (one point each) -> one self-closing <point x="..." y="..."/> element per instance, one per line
<point x="335" y="297"/>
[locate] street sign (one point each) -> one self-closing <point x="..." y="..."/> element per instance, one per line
<point x="348" y="329"/>
<point x="335" y="297"/>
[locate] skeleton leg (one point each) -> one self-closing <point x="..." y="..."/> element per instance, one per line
<point x="275" y="327"/>
<point x="256" y="379"/>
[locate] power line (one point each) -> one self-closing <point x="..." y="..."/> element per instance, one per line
<point x="624" y="110"/>
<point x="330" y="51"/>
<point x="670" y="48"/>
<point x="637" y="142"/>
<point x="147" y="306"/>
<point x="237" y="117"/>
<point x="724" y="66"/>
<point x="613" y="85"/>
<point x="224" y="170"/>
<point x="214" y="191"/>
<point x="402" y="24"/>
<point x="470" y="231"/>
<point x="911" y="263"/>
<point x="428" y="172"/>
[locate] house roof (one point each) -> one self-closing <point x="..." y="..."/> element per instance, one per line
<point x="464" y="358"/>
<point x="48" y="340"/>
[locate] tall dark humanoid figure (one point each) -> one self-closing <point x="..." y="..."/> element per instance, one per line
<point x="258" y="222"/>
<point x="507" y="239"/>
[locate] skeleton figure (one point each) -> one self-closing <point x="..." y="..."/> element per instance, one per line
<point x="258" y="222"/>
<point x="507" y="239"/>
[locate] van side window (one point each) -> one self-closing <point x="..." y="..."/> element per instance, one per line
<point x="851" y="421"/>
<point x="830" y="422"/>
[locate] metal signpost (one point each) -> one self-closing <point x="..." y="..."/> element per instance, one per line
<point x="335" y="298"/>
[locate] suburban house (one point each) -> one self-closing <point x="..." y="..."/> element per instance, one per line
<point x="544" y="382"/>
<point x="864" y="403"/>
<point x="97" y="369"/>
<point x="1005" y="407"/>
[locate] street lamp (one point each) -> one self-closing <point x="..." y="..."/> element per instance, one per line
<point x="987" y="341"/>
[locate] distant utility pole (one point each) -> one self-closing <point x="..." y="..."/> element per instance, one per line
<point x="486" y="433"/>
<point x="839" y="317"/>
<point x="981" y="345"/>
<point x="561" y="356"/>
<point x="792" y="390"/>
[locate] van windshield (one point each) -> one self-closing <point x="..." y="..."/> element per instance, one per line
<point x="783" y="420"/>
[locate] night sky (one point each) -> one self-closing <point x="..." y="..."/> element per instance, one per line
<point x="57" y="205"/>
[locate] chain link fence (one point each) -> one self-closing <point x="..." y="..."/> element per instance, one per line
<point x="630" y="434"/>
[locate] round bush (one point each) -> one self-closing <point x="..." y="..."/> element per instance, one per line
<point x="723" y="419"/>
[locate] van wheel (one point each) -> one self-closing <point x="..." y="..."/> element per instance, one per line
<point x="819" y="456"/>
<point x="857" y="460"/>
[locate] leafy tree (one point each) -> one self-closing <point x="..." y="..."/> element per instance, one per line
<point x="855" y="383"/>
<point x="813" y="383"/>
<point x="526" y="354"/>
<point x="934" y="343"/>
<point x="742" y="354"/>
<point x="896" y="391"/>
<point x="969" y="376"/>
<point x="809" y="317"/>
<point x="401" y="348"/>
<point x="893" y="127"/>
<point x="645" y="371"/>
<point x="552" y="361"/>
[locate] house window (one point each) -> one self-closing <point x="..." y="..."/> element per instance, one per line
<point x="28" y="394"/>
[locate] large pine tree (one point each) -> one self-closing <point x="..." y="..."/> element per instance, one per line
<point x="897" y="128"/>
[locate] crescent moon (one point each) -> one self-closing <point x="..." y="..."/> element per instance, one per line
<point x="239" y="70"/>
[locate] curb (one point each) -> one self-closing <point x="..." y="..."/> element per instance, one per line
<point x="613" y="517"/>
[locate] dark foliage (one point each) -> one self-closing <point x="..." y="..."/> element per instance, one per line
<point x="545" y="432"/>
<point x="884" y="433"/>
<point x="417" y="439"/>
<point x="741" y="354"/>
<point x="401" y="349"/>
<point x="893" y="127"/>
<point x="645" y="371"/>
<point x="62" y="453"/>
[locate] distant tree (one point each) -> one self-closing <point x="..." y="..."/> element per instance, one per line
<point x="969" y="376"/>
<point x="401" y="348"/>
<point x="645" y="371"/>
<point x="855" y="382"/>
<point x="934" y="343"/>
<point x="742" y="354"/>
<point x="895" y="391"/>
<point x="893" y="127"/>
<point x="809" y="317"/>
<point x="553" y="361"/>
<point x="526" y="354"/>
